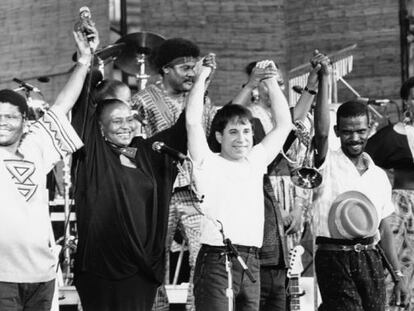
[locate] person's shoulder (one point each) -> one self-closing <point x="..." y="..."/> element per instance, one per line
<point x="399" y="128"/>
<point x="144" y="93"/>
<point x="258" y="154"/>
<point x="372" y="166"/>
<point x="389" y="130"/>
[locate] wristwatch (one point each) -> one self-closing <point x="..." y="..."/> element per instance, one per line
<point x="398" y="275"/>
<point x="312" y="92"/>
<point x="83" y="62"/>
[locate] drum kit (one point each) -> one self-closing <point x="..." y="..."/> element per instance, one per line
<point x="132" y="54"/>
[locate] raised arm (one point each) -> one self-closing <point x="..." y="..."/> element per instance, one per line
<point x="73" y="87"/>
<point x="257" y="75"/>
<point x="305" y="101"/>
<point x="322" y="117"/>
<point x="197" y="141"/>
<point x="274" y="140"/>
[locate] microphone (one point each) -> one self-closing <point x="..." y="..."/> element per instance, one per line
<point x="372" y="101"/>
<point x="298" y="89"/>
<point x="27" y="86"/>
<point x="160" y="147"/>
<point x="85" y="19"/>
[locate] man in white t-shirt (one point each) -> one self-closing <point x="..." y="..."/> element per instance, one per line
<point x="232" y="184"/>
<point x="27" y="154"/>
<point x="351" y="212"/>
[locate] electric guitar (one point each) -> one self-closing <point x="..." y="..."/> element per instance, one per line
<point x="294" y="271"/>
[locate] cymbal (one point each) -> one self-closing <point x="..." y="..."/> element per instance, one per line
<point x="110" y="51"/>
<point x="107" y="53"/>
<point x="142" y="42"/>
<point x="138" y="44"/>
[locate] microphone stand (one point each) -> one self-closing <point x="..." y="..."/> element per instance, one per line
<point x="231" y="252"/>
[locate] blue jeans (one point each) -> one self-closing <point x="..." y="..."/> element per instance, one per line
<point x="210" y="280"/>
<point x="26" y="296"/>
<point x="272" y="288"/>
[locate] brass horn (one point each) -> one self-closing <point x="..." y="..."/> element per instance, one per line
<point x="306" y="175"/>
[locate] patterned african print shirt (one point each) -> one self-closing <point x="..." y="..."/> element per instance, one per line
<point x="160" y="111"/>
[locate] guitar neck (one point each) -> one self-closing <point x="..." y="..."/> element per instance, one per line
<point x="295" y="293"/>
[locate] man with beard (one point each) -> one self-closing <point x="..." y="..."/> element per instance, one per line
<point x="352" y="206"/>
<point x="159" y="105"/>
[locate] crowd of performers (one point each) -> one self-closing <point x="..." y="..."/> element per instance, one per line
<point x="130" y="199"/>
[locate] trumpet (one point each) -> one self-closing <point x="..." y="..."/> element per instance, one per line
<point x="306" y="175"/>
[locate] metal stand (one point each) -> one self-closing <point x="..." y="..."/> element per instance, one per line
<point x="229" y="289"/>
<point x="231" y="252"/>
<point x="141" y="77"/>
<point x="66" y="241"/>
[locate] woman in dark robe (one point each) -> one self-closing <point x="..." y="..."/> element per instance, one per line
<point x="122" y="192"/>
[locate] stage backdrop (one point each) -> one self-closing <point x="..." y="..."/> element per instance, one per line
<point x="36" y="40"/>
<point x="240" y="31"/>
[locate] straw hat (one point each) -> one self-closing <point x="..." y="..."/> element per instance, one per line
<point x="352" y="215"/>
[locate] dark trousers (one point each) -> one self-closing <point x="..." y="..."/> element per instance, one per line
<point x="272" y="288"/>
<point x="134" y="293"/>
<point x="26" y="296"/>
<point x="350" y="280"/>
<point x="210" y="280"/>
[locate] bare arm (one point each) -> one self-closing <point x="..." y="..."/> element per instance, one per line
<point x="387" y="244"/>
<point x="67" y="97"/>
<point x="197" y="142"/>
<point x="322" y="117"/>
<point x="306" y="99"/>
<point x="274" y="140"/>
<point x="257" y="75"/>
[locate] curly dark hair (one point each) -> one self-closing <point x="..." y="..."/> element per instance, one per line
<point x="174" y="48"/>
<point x="15" y="99"/>
<point x="351" y="109"/>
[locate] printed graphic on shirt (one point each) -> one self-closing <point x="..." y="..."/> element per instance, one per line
<point x="21" y="172"/>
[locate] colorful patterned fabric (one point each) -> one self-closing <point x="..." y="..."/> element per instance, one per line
<point x="402" y="225"/>
<point x="159" y="110"/>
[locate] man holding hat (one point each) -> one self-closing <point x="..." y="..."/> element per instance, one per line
<point x="159" y="105"/>
<point x="351" y="213"/>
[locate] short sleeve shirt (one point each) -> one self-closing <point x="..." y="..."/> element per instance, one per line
<point x="25" y="246"/>
<point x="340" y="175"/>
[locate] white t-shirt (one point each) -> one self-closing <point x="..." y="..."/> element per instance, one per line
<point x="340" y="175"/>
<point x="25" y="248"/>
<point x="233" y="194"/>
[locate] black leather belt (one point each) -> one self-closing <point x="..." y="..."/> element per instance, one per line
<point x="357" y="245"/>
<point x="346" y="248"/>
<point x="240" y="248"/>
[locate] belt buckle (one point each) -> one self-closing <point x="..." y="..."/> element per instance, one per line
<point x="359" y="247"/>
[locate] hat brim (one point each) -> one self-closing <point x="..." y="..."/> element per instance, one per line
<point x="362" y="209"/>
